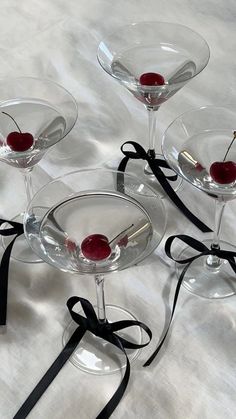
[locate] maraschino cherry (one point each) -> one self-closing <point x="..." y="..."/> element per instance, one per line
<point x="123" y="241"/>
<point x="199" y="167"/>
<point x="70" y="245"/>
<point x="224" y="172"/>
<point x="19" y="141"/>
<point x="96" y="247"/>
<point x="151" y="79"/>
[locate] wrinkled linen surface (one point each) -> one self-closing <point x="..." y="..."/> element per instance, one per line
<point x="194" y="375"/>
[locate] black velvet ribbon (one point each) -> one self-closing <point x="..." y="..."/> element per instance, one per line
<point x="105" y="331"/>
<point x="16" y="230"/>
<point x="202" y="251"/>
<point x="155" y="166"/>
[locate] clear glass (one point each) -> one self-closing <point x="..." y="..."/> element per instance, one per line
<point x="82" y="203"/>
<point x="45" y="110"/>
<point x="172" y="50"/>
<point x="191" y="144"/>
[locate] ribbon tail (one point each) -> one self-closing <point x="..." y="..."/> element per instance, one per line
<point x="15" y="229"/>
<point x="4" y="269"/>
<point x="51" y="373"/>
<point x="120" y="176"/>
<point x="163" y="163"/>
<point x="232" y="264"/>
<point x="117" y="396"/>
<point x="176" y="200"/>
<point x="177" y="290"/>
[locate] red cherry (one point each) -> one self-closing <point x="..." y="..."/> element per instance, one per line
<point x="20" y="141"/>
<point x="96" y="247"/>
<point x="223" y="172"/>
<point x="151" y="79"/>
<point x="123" y="242"/>
<point x="70" y="245"/>
<point x="199" y="167"/>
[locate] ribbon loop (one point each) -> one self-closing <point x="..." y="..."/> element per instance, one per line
<point x="139" y="153"/>
<point x="14" y="224"/>
<point x="190" y="241"/>
<point x="17" y="228"/>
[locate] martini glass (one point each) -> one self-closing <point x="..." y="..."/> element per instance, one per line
<point x="191" y="145"/>
<point x="172" y="52"/>
<point x="65" y="214"/>
<point x="46" y="112"/>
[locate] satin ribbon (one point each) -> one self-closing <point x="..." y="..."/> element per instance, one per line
<point x="16" y="230"/>
<point x="202" y="251"/>
<point x="155" y="165"/>
<point x="105" y="331"/>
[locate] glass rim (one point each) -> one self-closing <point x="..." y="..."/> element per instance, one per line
<point x="43" y="80"/>
<point x="136" y="84"/>
<point x="98" y="169"/>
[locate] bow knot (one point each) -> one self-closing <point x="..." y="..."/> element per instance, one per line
<point x="201" y="249"/>
<point x="150" y="157"/>
<point x="155" y="166"/>
<point x="103" y="329"/>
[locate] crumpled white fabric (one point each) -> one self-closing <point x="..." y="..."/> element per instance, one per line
<point x="194" y="375"/>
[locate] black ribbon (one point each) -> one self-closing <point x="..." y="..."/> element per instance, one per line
<point x="16" y="230"/>
<point x="203" y="251"/>
<point x="105" y="331"/>
<point x="155" y="165"/>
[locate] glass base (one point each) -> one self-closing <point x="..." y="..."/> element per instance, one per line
<point x="141" y="170"/>
<point x="96" y="356"/>
<point x="21" y="250"/>
<point x="205" y="281"/>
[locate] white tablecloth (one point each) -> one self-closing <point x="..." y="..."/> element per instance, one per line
<point x="194" y="375"/>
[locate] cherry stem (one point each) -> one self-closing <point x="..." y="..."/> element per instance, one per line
<point x="230" y="146"/>
<point x="5" y="113"/>
<point x="123" y="231"/>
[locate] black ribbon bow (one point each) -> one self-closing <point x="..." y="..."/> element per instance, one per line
<point x="155" y="165"/>
<point x="202" y="251"/>
<point x="105" y="331"/>
<point x="17" y="230"/>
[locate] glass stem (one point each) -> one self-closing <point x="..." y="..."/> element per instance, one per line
<point x="28" y="183"/>
<point x="152" y="123"/>
<point x="214" y="261"/>
<point x="101" y="311"/>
